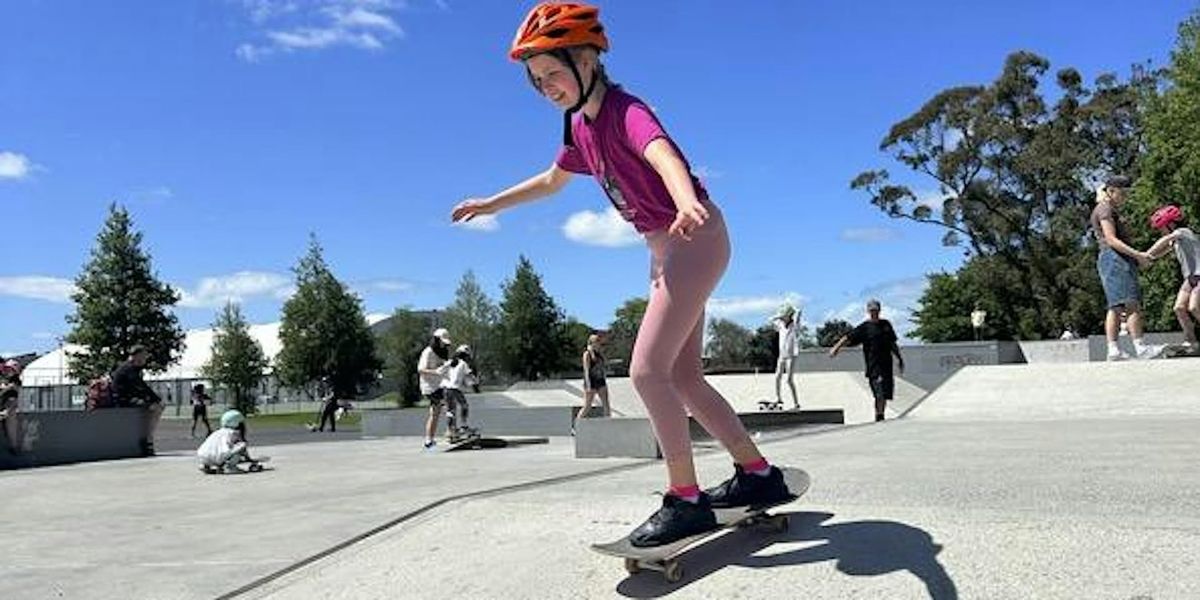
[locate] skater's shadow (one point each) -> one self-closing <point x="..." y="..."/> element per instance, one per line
<point x="859" y="548"/>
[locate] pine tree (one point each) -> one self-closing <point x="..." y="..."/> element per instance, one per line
<point x="472" y="320"/>
<point x="120" y="303"/>
<point x="237" y="362"/>
<point x="324" y="332"/>
<point x="530" y="325"/>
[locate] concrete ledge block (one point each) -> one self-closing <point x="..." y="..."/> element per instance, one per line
<point x="55" y="438"/>
<point x="615" y="437"/>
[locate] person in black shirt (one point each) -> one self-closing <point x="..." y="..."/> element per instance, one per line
<point x="130" y="390"/>
<point x="878" y="340"/>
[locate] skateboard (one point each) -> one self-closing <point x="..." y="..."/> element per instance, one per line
<point x="665" y="558"/>
<point x="1178" y="351"/>
<point x="474" y="442"/>
<point x="256" y="466"/>
<point x="770" y="405"/>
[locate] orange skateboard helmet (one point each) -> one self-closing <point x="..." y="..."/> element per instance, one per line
<point x="557" y="25"/>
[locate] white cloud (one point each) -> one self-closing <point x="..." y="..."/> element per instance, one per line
<point x="385" y="285"/>
<point x="481" y="223"/>
<point x="737" y="307"/>
<point x="42" y="335"/>
<point x="153" y="195"/>
<point x="319" y="24"/>
<point x="870" y="234"/>
<point x="14" y="166"/>
<point x="38" y="287"/>
<point x="214" y="292"/>
<point x="600" y="229"/>
<point x="933" y="199"/>
<point x="705" y="173"/>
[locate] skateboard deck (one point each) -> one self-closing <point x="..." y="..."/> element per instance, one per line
<point x="256" y="466"/>
<point x="475" y="442"/>
<point x="1178" y="351"/>
<point x="665" y="558"/>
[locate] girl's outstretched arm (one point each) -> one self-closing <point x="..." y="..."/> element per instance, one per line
<point x="541" y="185"/>
<point x="690" y="214"/>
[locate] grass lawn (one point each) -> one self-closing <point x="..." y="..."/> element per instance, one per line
<point x="292" y="420"/>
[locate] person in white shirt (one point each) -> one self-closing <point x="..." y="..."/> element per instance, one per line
<point x="226" y="447"/>
<point x="431" y="370"/>
<point x="787" y="323"/>
<point x="1169" y="220"/>
<point x="459" y="376"/>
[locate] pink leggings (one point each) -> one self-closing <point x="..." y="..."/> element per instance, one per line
<point x="665" y="367"/>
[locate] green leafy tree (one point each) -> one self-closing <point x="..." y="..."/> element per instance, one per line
<point x="574" y="340"/>
<point x="1015" y="181"/>
<point x="530" y="326"/>
<point x="324" y="332"/>
<point x="622" y="333"/>
<point x="401" y="346"/>
<point x="237" y="362"/>
<point x="831" y="331"/>
<point x="728" y="344"/>
<point x="763" y="353"/>
<point x="1170" y="169"/>
<point x="120" y="303"/>
<point x="472" y="320"/>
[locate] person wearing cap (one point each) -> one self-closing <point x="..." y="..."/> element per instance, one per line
<point x="129" y="389"/>
<point x="879" y="341"/>
<point x="432" y="367"/>
<point x="1117" y="263"/>
<point x="10" y="403"/>
<point x="787" y="324"/>
<point x="1177" y="236"/>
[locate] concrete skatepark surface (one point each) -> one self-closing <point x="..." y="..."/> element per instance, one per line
<point x="1038" y="481"/>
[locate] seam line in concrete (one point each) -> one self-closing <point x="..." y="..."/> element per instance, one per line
<point x="508" y="489"/>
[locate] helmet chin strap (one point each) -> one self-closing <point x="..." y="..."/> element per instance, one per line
<point x="564" y="55"/>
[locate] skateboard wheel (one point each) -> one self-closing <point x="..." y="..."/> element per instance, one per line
<point x="255" y="468"/>
<point x="632" y="567"/>
<point x="781" y="524"/>
<point x="673" y="572"/>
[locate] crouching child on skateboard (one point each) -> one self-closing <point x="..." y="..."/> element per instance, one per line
<point x="226" y="447"/>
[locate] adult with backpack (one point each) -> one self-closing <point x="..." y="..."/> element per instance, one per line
<point x="128" y="389"/>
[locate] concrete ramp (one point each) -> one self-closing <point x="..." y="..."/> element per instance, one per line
<point x="1097" y="390"/>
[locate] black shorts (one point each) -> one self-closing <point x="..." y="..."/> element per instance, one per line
<point x="199" y="411"/>
<point x="437" y="398"/>
<point x="883" y="387"/>
<point x="597" y="384"/>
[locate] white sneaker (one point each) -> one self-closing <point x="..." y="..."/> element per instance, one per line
<point x="1150" y="351"/>
<point x="1119" y="356"/>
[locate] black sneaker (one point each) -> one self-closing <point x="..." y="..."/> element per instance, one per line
<point x="676" y="520"/>
<point x="748" y="489"/>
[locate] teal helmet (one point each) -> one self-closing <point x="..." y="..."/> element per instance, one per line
<point x="231" y="419"/>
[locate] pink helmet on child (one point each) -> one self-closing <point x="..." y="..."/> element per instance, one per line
<point x="1165" y="216"/>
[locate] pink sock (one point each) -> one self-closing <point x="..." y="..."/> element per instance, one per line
<point x="759" y="467"/>
<point x="690" y="493"/>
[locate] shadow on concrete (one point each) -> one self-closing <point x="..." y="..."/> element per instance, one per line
<point x="860" y="549"/>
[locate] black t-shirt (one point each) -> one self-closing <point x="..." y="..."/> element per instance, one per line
<point x="877" y="339"/>
<point x="127" y="384"/>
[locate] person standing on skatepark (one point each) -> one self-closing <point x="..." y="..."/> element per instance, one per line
<point x="431" y="370"/>
<point x="619" y="140"/>
<point x="787" y="324"/>
<point x="458" y="377"/>
<point x="595" y="380"/>
<point x="200" y="402"/>
<point x="1117" y="264"/>
<point x="10" y="404"/>
<point x="1178" y="236"/>
<point x="879" y="343"/>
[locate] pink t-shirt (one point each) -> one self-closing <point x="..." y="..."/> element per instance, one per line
<point x="610" y="149"/>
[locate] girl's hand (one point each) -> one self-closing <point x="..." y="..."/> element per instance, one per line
<point x="687" y="219"/>
<point x="1144" y="259"/>
<point x="471" y="208"/>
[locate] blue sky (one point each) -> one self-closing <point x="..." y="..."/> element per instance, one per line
<point x="231" y="129"/>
